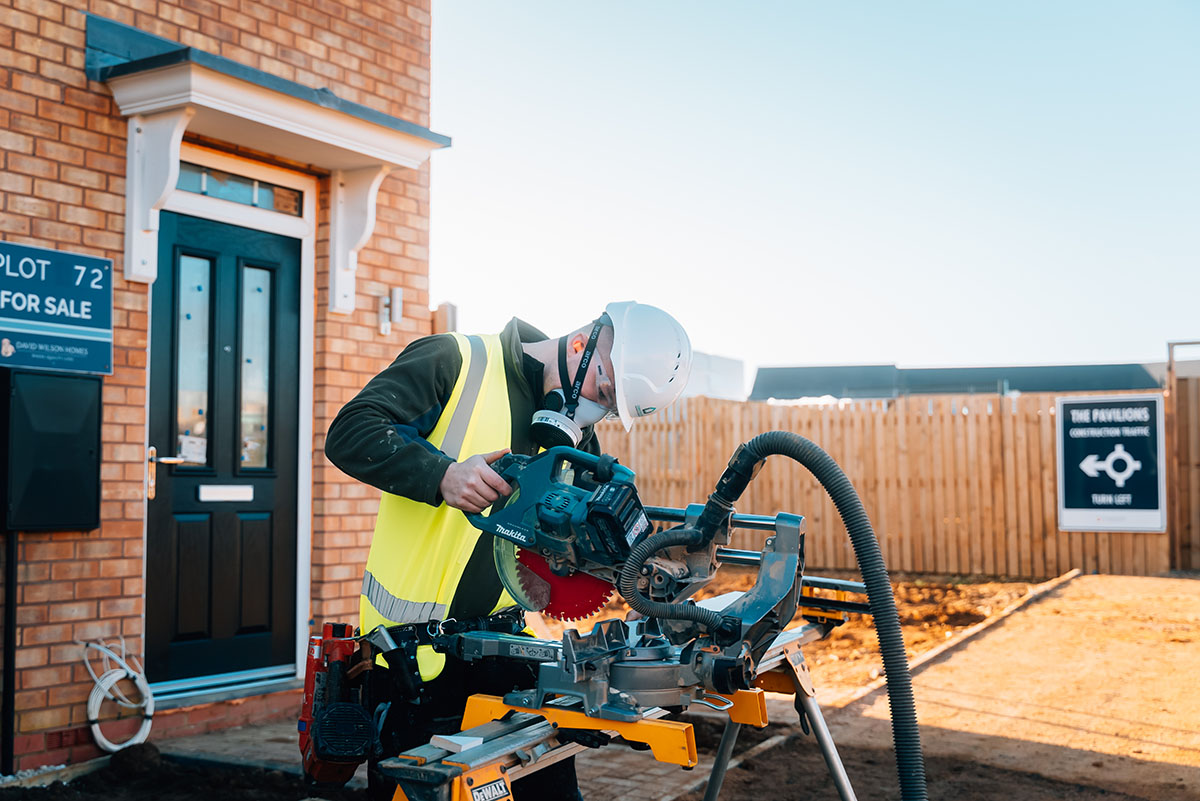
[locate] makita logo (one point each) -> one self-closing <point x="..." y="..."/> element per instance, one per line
<point x="490" y="791"/>
<point x="514" y="534"/>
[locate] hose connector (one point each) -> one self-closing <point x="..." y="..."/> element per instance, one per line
<point x="742" y="468"/>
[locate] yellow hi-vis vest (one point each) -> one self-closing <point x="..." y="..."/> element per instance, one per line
<point x="419" y="552"/>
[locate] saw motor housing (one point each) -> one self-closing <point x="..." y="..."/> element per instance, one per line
<point x="579" y="511"/>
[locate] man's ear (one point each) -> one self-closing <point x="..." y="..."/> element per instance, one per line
<point x="576" y="343"/>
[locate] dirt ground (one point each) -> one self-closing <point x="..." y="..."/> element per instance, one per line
<point x="931" y="612"/>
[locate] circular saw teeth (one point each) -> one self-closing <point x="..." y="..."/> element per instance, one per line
<point x="573" y="597"/>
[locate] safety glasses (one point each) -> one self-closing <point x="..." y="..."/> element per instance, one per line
<point x="606" y="390"/>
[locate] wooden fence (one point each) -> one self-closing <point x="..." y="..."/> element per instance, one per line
<point x="952" y="484"/>
<point x="1183" y="497"/>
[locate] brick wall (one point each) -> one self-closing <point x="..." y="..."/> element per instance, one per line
<point x="62" y="175"/>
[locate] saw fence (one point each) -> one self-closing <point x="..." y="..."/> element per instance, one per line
<point x="954" y="484"/>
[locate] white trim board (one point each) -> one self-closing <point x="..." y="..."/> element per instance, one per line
<point x="165" y="102"/>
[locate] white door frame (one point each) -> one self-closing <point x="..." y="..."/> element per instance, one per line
<point x="303" y="228"/>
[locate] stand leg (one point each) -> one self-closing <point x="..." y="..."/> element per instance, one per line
<point x="721" y="762"/>
<point x="828" y="749"/>
<point x="806" y="704"/>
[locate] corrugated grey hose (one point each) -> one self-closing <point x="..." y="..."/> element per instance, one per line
<point x="742" y="467"/>
<point x="632" y="571"/>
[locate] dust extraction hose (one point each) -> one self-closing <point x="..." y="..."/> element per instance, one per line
<point x="742" y="468"/>
<point x="627" y="582"/>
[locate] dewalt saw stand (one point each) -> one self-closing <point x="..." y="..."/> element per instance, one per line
<point x="619" y="683"/>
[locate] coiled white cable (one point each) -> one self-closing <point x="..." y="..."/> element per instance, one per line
<point x="106" y="687"/>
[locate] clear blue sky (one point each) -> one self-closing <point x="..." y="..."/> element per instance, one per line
<point x="925" y="183"/>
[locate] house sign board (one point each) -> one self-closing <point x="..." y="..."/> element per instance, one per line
<point x="1111" y="463"/>
<point x="55" y="310"/>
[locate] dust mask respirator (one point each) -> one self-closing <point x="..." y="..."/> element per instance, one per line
<point x="566" y="413"/>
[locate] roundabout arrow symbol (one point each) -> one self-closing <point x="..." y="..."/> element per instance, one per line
<point x="1092" y="465"/>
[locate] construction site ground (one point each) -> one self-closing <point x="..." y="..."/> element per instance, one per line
<point x="1088" y="689"/>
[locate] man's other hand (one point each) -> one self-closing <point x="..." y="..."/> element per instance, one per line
<point x="472" y="485"/>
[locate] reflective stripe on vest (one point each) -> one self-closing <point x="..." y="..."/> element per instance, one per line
<point x="419" y="552"/>
<point x="398" y="609"/>
<point x="457" y="431"/>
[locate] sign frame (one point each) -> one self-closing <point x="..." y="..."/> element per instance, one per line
<point x="56" y="333"/>
<point x="1153" y="521"/>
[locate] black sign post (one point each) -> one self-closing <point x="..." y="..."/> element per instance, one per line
<point x="1111" y="463"/>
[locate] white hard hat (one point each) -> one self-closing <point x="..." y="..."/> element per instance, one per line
<point x="651" y="356"/>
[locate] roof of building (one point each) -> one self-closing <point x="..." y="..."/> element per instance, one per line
<point x="114" y="49"/>
<point x="889" y="381"/>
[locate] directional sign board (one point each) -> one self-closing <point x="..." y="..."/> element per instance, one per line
<point x="1111" y="463"/>
<point x="55" y="310"/>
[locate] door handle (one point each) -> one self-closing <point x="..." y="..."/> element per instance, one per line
<point x="153" y="460"/>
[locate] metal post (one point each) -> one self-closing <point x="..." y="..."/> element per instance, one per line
<point x="9" y="689"/>
<point x="721" y="762"/>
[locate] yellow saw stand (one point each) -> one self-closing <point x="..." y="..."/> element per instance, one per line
<point x="501" y="743"/>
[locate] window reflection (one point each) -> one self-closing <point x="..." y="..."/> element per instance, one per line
<point x="256" y="366"/>
<point x="238" y="189"/>
<point x="194" y="293"/>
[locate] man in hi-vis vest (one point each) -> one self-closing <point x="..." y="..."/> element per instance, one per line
<point x="426" y="431"/>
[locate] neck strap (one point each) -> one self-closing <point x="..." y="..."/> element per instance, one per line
<point x="585" y="361"/>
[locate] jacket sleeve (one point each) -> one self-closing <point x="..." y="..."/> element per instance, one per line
<point x="380" y="436"/>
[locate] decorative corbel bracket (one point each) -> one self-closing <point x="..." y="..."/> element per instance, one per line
<point x="351" y="222"/>
<point x="151" y="172"/>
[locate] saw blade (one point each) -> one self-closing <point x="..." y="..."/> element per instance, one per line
<point x="572" y="597"/>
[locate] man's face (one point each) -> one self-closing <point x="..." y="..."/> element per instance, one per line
<point x="599" y="385"/>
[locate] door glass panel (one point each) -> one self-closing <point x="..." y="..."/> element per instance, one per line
<point x="191" y="359"/>
<point x="256" y="366"/>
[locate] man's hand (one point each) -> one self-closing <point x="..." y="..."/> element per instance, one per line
<point x="473" y="485"/>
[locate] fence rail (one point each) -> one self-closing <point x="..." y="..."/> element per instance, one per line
<point x="953" y="484"/>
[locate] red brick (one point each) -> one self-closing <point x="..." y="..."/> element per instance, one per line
<point x="120" y="607"/>
<point x="103" y="239"/>
<point x="71" y="37"/>
<point x="31" y="165"/>
<point x="115" y="568"/>
<point x="77" y="215"/>
<point x="89" y="140"/>
<point x="44" y="677"/>
<point x="97" y="629"/>
<point x="14" y="223"/>
<point x="57" y="151"/>
<point x="38" y="87"/>
<point x="56" y="231"/>
<point x="98" y="588"/>
<point x="69" y="694"/>
<point x="85" y="751"/>
<point x="21" y="21"/>
<point x="53" y="190"/>
<point x="63" y="73"/>
<point x="89" y="101"/>
<point x="46" y="634"/>
<point x="75" y="610"/>
<point x="56" y="549"/>
<point x="29" y="743"/>
<point x="31" y="206"/>
<point x="17" y="61"/>
<point x="34" y="761"/>
<point x="66" y="571"/>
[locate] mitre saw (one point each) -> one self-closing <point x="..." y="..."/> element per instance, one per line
<point x="572" y="530"/>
